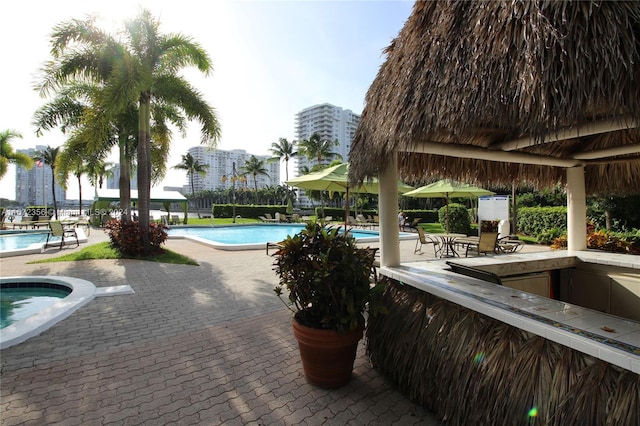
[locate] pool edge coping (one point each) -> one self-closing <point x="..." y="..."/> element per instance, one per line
<point x="82" y="292"/>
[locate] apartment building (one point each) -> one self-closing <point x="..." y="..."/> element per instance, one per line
<point x="224" y="164"/>
<point x="33" y="186"/>
<point x="331" y="123"/>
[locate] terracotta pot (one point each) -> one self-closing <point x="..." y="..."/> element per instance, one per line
<point x="327" y="357"/>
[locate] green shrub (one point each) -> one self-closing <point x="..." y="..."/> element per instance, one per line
<point x="459" y="220"/>
<point x="125" y="236"/>
<point x="548" y="236"/>
<point x="536" y="220"/>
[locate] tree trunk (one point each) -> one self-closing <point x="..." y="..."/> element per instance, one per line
<point x="80" y="192"/>
<point x="53" y="191"/>
<point x="124" y="182"/>
<point x="144" y="170"/>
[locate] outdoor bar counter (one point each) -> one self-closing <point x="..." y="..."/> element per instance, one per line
<point x="452" y="337"/>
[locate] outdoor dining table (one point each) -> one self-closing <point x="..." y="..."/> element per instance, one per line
<point x="448" y="242"/>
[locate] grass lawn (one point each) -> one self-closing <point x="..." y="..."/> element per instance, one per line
<point x="105" y="251"/>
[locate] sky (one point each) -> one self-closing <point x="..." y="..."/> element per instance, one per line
<point x="271" y="59"/>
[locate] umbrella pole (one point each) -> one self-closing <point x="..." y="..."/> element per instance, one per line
<point x="447" y="212"/>
<point x="346" y="211"/>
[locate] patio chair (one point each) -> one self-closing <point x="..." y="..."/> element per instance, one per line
<point x="487" y="243"/>
<point x="175" y="219"/>
<point x="57" y="230"/>
<point x="413" y="224"/>
<point x="424" y="239"/>
<point x="509" y="245"/>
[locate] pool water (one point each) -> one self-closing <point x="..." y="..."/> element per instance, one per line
<point x="19" y="303"/>
<point x="251" y="234"/>
<point x="21" y="241"/>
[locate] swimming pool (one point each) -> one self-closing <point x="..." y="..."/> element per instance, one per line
<point x="23" y="243"/>
<point x="256" y="236"/>
<point x="28" y="242"/>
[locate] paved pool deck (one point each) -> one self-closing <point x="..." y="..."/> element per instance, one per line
<point x="205" y="345"/>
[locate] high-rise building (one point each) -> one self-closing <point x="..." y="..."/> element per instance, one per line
<point x="331" y="123"/>
<point x="222" y="167"/>
<point x="113" y="182"/>
<point x="33" y="186"/>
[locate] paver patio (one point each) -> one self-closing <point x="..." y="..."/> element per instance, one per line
<point x="208" y="344"/>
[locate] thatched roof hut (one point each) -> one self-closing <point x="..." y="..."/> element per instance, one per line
<point x="497" y="92"/>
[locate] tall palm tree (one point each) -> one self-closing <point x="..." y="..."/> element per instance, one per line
<point x="72" y="162"/>
<point x="316" y="148"/>
<point x="8" y="155"/>
<point x="49" y="156"/>
<point x="192" y="166"/>
<point x="254" y="167"/>
<point x="143" y="68"/>
<point x="283" y="150"/>
<point x="77" y="108"/>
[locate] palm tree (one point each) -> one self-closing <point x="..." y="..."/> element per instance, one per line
<point x="72" y="162"/>
<point x="142" y="69"/>
<point x="192" y="166"/>
<point x="318" y="149"/>
<point x="8" y="155"/>
<point x="283" y="150"/>
<point x="77" y="107"/>
<point x="254" y="167"/>
<point x="49" y="156"/>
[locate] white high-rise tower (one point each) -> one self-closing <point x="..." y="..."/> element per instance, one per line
<point x="331" y="123"/>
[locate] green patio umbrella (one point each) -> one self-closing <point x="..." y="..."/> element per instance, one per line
<point x="336" y="179"/>
<point x="446" y="189"/>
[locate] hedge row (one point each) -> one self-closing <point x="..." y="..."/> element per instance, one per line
<point x="537" y="220"/>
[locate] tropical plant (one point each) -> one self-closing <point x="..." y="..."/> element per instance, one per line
<point x="254" y="167"/>
<point x="192" y="166"/>
<point x="125" y="236"/>
<point x="283" y="150"/>
<point x="71" y="162"/>
<point x="78" y="106"/>
<point x="316" y="148"/>
<point x="328" y="278"/>
<point x="48" y="157"/>
<point x="8" y="155"/>
<point x="141" y="69"/>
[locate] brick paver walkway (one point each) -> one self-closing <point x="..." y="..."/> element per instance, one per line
<point x="208" y="344"/>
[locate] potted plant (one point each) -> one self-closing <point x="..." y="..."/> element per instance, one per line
<point x="331" y="282"/>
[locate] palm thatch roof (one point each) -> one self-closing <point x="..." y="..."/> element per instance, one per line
<point x="497" y="92"/>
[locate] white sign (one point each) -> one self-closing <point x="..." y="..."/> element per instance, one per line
<point x="493" y="207"/>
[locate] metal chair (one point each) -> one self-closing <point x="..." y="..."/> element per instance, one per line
<point x="424" y="239"/>
<point x="57" y="230"/>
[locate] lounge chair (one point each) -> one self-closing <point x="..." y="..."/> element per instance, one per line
<point x="487" y="243"/>
<point x="509" y="245"/>
<point x="362" y="221"/>
<point x="424" y="239"/>
<point x="57" y="230"/>
<point x="269" y="218"/>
